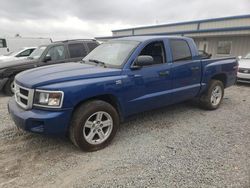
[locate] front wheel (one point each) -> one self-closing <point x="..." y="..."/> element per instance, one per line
<point x="94" y="125"/>
<point x="212" y="98"/>
<point x="9" y="88"/>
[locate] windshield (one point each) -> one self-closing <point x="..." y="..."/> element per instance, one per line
<point x="112" y="53"/>
<point x="36" y="54"/>
<point x="247" y="56"/>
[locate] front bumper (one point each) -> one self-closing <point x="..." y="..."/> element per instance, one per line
<point x="3" y="82"/>
<point x="243" y="77"/>
<point x="40" y="121"/>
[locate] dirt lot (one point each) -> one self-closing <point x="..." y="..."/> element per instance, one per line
<point x="178" y="146"/>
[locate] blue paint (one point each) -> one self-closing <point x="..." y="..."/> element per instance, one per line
<point x="139" y="90"/>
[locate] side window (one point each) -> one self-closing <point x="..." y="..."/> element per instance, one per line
<point x="180" y="50"/>
<point x="25" y="53"/>
<point x="56" y="53"/>
<point x="31" y="50"/>
<point x="91" y="45"/>
<point x="3" y="43"/>
<point x="77" y="50"/>
<point x="156" y="50"/>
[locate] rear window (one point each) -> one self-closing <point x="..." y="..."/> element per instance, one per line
<point x="77" y="50"/>
<point x="92" y="45"/>
<point x="180" y="50"/>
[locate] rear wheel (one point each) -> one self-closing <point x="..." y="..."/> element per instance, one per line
<point x="212" y="98"/>
<point x="94" y="125"/>
<point x="9" y="88"/>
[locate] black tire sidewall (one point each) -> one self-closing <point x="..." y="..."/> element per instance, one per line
<point x="82" y="114"/>
<point x="206" y="98"/>
<point x="7" y="87"/>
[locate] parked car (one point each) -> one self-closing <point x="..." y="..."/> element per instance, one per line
<point x="244" y="69"/>
<point x="21" y="53"/>
<point x="54" y="53"/>
<point x="10" y="44"/>
<point x="119" y="78"/>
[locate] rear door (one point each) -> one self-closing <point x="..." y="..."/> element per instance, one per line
<point x="186" y="71"/>
<point x="77" y="51"/>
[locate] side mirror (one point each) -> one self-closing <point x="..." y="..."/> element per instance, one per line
<point x="239" y="57"/>
<point x="47" y="58"/>
<point x="143" y="60"/>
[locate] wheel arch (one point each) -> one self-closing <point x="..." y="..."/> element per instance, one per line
<point x="109" y="98"/>
<point x="221" y="77"/>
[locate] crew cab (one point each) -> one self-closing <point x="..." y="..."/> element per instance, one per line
<point x="54" y="53"/>
<point x="88" y="100"/>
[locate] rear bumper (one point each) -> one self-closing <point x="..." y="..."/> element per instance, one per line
<point x="40" y="121"/>
<point x="3" y="82"/>
<point x="242" y="77"/>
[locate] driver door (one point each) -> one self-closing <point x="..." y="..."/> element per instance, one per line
<point x="56" y="54"/>
<point x="150" y="85"/>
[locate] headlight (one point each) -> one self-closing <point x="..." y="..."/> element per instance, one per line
<point x="49" y="99"/>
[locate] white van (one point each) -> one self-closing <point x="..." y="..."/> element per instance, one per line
<point x="10" y="44"/>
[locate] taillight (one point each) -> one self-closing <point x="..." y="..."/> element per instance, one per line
<point x="236" y="67"/>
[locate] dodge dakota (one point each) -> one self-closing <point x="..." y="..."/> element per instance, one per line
<point x="87" y="100"/>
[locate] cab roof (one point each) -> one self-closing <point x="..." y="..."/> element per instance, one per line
<point x="149" y="37"/>
<point x="69" y="42"/>
<point x="74" y="40"/>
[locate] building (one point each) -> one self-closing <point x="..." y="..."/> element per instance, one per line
<point x="227" y="36"/>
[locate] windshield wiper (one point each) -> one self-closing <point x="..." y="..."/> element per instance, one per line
<point x="97" y="62"/>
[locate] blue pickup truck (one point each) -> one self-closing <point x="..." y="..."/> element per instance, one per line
<point x="88" y="100"/>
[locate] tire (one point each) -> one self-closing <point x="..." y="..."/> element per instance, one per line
<point x="93" y="125"/>
<point x="211" y="99"/>
<point x="8" y="87"/>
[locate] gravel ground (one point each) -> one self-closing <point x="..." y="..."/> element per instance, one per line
<point x="177" y="146"/>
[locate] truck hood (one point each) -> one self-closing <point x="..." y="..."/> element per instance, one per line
<point x="13" y="63"/>
<point x="244" y="63"/>
<point x="62" y="73"/>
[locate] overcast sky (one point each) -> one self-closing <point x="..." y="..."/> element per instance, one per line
<point x="65" y="19"/>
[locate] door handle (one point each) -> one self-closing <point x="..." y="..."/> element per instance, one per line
<point x="137" y="76"/>
<point x="195" y="68"/>
<point x="163" y="73"/>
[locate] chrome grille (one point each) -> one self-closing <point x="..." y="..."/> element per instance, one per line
<point x="24" y="96"/>
<point x="243" y="70"/>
